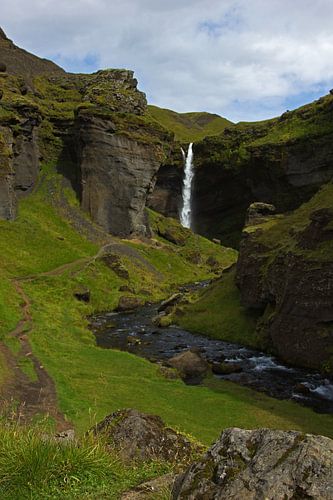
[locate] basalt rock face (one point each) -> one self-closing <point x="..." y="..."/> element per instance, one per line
<point x="19" y="158"/>
<point x="166" y="198"/>
<point x="281" y="162"/>
<point x="7" y="176"/>
<point x="26" y="151"/>
<point x="260" y="464"/>
<point x="285" y="270"/>
<point x="118" y="172"/>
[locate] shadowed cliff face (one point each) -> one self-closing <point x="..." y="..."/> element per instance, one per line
<point x="117" y="175"/>
<point x="166" y="198"/>
<point x="284" y="174"/>
<point x="285" y="270"/>
<point x="7" y="177"/>
<point x="19" y="158"/>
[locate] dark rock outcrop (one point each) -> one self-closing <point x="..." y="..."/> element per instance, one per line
<point x="144" y="437"/>
<point x="118" y="172"/>
<point x="166" y="198"/>
<point x="7" y="176"/>
<point x="170" y="230"/>
<point x="19" y="157"/>
<point x="26" y="152"/>
<point x="257" y="212"/>
<point x="170" y="302"/>
<point x="285" y="271"/>
<point x="128" y="303"/>
<point x="261" y="464"/>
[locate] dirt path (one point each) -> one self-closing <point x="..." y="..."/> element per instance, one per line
<point x="33" y="397"/>
<point x="39" y="397"/>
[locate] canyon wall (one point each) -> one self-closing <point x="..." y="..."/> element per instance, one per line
<point x="91" y="128"/>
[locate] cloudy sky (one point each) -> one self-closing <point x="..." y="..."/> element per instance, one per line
<point x="243" y="59"/>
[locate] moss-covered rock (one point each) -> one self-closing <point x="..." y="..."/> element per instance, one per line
<point x="139" y="436"/>
<point x="262" y="463"/>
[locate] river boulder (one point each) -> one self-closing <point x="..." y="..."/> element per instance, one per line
<point x="191" y="366"/>
<point x="128" y="303"/>
<point x="171" y="301"/>
<point x="260" y="464"/>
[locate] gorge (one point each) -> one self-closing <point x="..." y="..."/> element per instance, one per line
<point x="106" y="227"/>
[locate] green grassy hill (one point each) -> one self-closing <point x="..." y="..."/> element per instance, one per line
<point x="188" y="127"/>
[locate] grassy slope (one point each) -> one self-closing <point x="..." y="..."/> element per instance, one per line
<point x="92" y="382"/>
<point x="276" y="235"/>
<point x="217" y="313"/>
<point x="233" y="150"/>
<point x="188" y="127"/>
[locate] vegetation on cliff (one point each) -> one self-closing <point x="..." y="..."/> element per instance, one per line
<point x="282" y="161"/>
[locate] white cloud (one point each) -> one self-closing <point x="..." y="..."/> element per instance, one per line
<point x="245" y="59"/>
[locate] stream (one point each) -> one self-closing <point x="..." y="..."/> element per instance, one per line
<point x="134" y="332"/>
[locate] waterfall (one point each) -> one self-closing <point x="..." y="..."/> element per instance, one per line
<point x="185" y="216"/>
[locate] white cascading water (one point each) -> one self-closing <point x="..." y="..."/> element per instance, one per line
<point x="185" y="216"/>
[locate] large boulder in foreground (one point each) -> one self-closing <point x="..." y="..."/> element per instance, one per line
<point x="144" y="437"/>
<point x="261" y="464"/>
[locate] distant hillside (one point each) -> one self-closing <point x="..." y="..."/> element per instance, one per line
<point x="189" y="127"/>
<point x="19" y="62"/>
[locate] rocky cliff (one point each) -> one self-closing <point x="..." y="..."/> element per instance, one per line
<point x="117" y="172"/>
<point x="91" y="128"/>
<point x="166" y="197"/>
<point x="281" y="161"/>
<point x="285" y="271"/>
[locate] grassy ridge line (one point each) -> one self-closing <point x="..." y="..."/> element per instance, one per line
<point x="188" y="127"/>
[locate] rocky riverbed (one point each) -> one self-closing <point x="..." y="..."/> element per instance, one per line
<point x="135" y="332"/>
